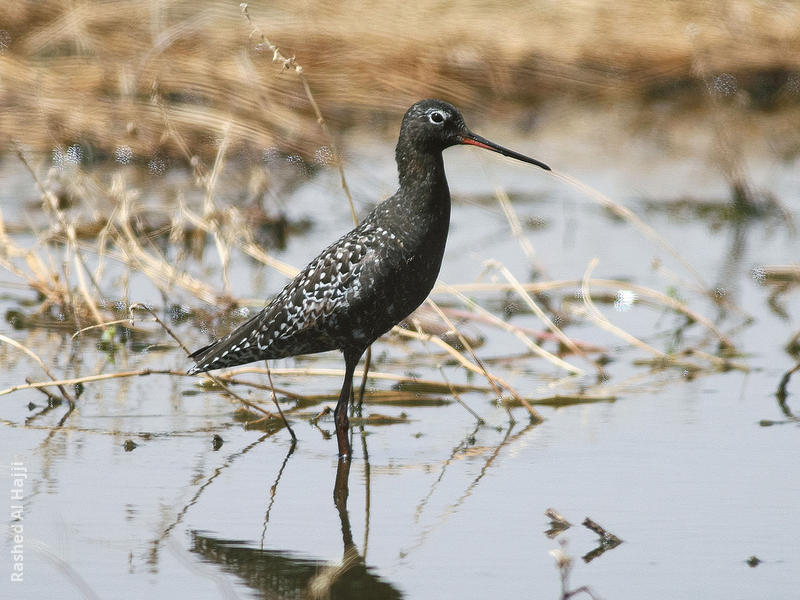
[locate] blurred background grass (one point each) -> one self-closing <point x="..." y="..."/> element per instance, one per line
<point x="104" y="74"/>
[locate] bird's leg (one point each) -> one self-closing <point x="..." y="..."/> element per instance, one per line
<point x="340" y="413"/>
<point x="363" y="387"/>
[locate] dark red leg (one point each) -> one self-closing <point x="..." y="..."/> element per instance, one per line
<point x="340" y="413"/>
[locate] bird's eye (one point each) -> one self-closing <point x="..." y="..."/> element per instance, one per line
<point x="436" y="117"/>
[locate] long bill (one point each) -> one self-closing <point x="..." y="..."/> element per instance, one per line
<point x="475" y="140"/>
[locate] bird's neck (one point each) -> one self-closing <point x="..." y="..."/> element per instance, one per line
<point x="421" y="170"/>
<point x="419" y="212"/>
<point x="423" y="194"/>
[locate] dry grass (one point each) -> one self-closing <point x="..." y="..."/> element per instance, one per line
<point x="166" y="78"/>
<point x="95" y="73"/>
<point x="86" y="306"/>
<point x="85" y="295"/>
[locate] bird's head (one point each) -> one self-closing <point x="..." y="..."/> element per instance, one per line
<point x="433" y="125"/>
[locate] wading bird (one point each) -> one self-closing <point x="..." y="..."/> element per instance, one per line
<point x="372" y="277"/>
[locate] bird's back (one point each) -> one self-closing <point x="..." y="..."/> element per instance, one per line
<point x="349" y="295"/>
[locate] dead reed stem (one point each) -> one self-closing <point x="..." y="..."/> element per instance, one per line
<point x="540" y="287"/>
<point x="601" y="321"/>
<point x="104" y="324"/>
<point x="533" y="346"/>
<point x="66" y="395"/>
<point x="277" y="404"/>
<point x="462" y="360"/>
<point x="628" y="215"/>
<point x="50" y="203"/>
<point x="562" y="337"/>
<point x="516" y="228"/>
<point x="464" y="343"/>
<point x="453" y="391"/>
<point x="216" y="380"/>
<point x="534" y="415"/>
<point x="291" y="63"/>
<point x="124" y="375"/>
<point x="209" y="211"/>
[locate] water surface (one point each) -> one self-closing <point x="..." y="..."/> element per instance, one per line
<point x="696" y="472"/>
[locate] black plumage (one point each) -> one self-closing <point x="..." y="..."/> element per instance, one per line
<point x="372" y="277"/>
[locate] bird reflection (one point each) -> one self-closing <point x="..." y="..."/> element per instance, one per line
<point x="352" y="566"/>
<point x="281" y="574"/>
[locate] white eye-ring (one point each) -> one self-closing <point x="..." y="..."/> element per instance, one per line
<point x="436" y="117"/>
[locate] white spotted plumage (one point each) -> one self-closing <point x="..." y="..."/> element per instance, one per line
<point x="313" y="302"/>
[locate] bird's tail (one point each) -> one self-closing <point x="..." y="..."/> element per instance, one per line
<point x="237" y="348"/>
<point x="199" y="359"/>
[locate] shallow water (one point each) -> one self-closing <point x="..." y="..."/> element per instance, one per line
<point x="696" y="473"/>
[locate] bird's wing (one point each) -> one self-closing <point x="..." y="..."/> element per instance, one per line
<point x="301" y="318"/>
<point x="327" y="285"/>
